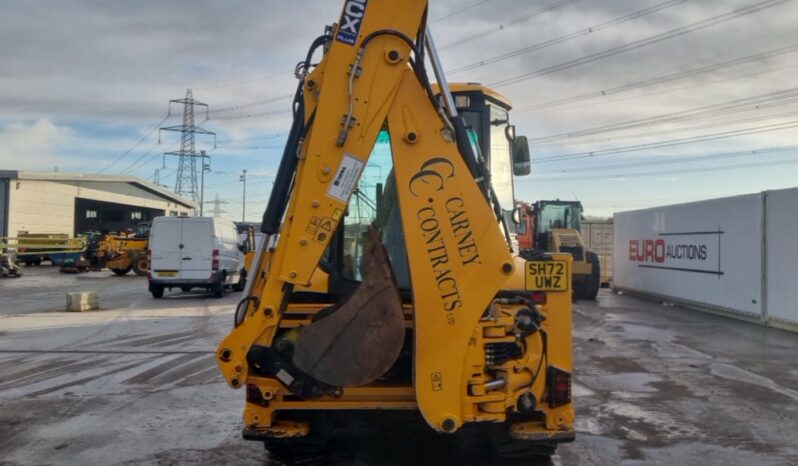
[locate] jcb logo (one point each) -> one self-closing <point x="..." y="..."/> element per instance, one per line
<point x="351" y="20"/>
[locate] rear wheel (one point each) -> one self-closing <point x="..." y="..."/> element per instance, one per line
<point x="241" y="283"/>
<point x="185" y="288"/>
<point x="303" y="448"/>
<point x="218" y="287"/>
<point x="588" y="287"/>
<point x="140" y="266"/>
<point x="508" y="447"/>
<point x="121" y="272"/>
<point x="157" y="292"/>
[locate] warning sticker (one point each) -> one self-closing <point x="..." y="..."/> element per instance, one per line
<point x="326" y="224"/>
<point x="437" y="381"/>
<point x="337" y="214"/>
<point x="313" y="225"/>
<point x="345" y="179"/>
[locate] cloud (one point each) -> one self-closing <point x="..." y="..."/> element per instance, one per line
<point x="34" y="145"/>
<point x="82" y="80"/>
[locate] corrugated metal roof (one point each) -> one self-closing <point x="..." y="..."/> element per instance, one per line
<point x="94" y="177"/>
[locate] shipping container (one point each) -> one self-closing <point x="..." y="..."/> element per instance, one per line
<point x="599" y="238"/>
<point x="733" y="255"/>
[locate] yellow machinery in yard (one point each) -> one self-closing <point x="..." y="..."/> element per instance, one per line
<point x="122" y="253"/>
<point x="249" y="250"/>
<point x="386" y="279"/>
<point x="554" y="226"/>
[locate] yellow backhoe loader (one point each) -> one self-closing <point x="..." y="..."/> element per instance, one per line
<point x="386" y="279"/>
<point x="121" y="252"/>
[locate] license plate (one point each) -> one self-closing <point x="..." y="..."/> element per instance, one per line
<point x="547" y="275"/>
<point x="168" y="273"/>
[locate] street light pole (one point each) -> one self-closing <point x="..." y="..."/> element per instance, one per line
<point x="243" y="178"/>
<point x="202" y="178"/>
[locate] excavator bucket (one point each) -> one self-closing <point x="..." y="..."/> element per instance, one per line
<point x="357" y="341"/>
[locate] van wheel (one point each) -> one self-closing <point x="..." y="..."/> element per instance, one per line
<point x="241" y="284"/>
<point x="218" y="287"/>
<point x="157" y="292"/>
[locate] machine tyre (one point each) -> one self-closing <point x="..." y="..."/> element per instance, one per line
<point x="140" y="266"/>
<point x="121" y="272"/>
<point x="157" y="292"/>
<point x="589" y="288"/>
<point x="508" y="447"/>
<point x="240" y="284"/>
<point x="304" y="448"/>
<point x="219" y="287"/>
<point x="185" y="289"/>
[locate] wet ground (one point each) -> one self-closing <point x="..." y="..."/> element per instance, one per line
<point x="136" y="384"/>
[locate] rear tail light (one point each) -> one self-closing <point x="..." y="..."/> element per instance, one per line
<point x="558" y="385"/>
<point x="537" y="297"/>
<point x="214" y="264"/>
<point x="149" y="264"/>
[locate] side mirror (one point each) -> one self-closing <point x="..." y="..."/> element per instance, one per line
<point x="522" y="165"/>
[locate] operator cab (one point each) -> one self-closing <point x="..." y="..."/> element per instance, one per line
<point x="553" y="215"/>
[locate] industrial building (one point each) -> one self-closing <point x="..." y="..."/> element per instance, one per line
<point x="72" y="203"/>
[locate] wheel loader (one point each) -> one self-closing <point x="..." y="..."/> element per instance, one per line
<point x="385" y="279"/>
<point x="121" y="253"/>
<point x="549" y="226"/>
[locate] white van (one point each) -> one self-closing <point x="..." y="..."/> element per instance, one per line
<point x="194" y="252"/>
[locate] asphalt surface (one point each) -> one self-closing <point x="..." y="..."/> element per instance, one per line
<point x="135" y="383"/>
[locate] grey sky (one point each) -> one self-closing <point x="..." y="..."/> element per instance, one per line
<point x="81" y="81"/>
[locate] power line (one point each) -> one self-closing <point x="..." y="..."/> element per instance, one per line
<point x="567" y="37"/>
<point x="688" y="129"/>
<point x="514" y="22"/>
<point x="246" y="81"/>
<point x="672" y="89"/>
<point x="675" y="160"/>
<point x="141" y="157"/>
<point x="259" y="137"/>
<point x="132" y="148"/>
<point x="791" y="161"/>
<point x="672" y="142"/>
<point x="252" y="115"/>
<point x="715" y="20"/>
<point x="660" y="79"/>
<point x="734" y="106"/>
<point x="242" y="82"/>
<point x="457" y="12"/>
<point x="270" y="100"/>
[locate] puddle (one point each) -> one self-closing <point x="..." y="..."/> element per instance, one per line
<point x="636" y="382"/>
<point x="729" y="372"/>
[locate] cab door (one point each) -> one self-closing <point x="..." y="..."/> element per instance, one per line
<point x="165" y="247"/>
<point x="196" y="248"/>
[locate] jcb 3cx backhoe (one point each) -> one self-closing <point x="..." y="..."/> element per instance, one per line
<point x="385" y="279"/>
